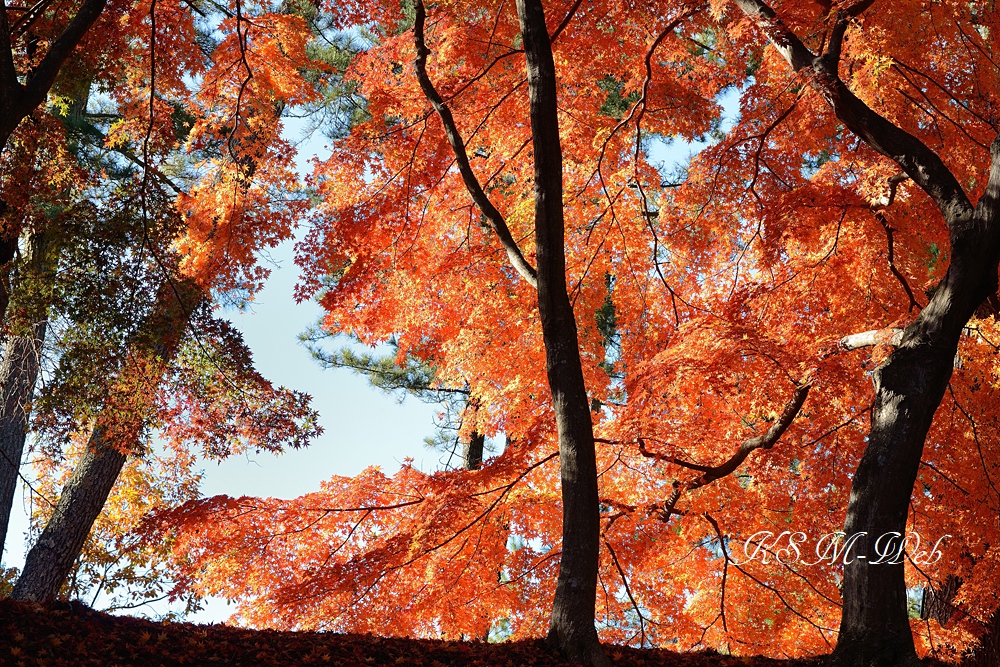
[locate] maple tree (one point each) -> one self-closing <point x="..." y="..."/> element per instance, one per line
<point x="732" y="289"/>
<point x="493" y="204"/>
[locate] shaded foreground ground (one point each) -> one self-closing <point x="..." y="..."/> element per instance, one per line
<point x="71" y="634"/>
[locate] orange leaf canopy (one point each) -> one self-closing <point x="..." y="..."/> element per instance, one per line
<point x="702" y="298"/>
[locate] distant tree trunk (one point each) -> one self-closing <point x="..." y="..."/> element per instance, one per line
<point x="19" y="372"/>
<point x="472" y="451"/>
<point x="937" y="602"/>
<point x="986" y="652"/>
<point x="571" y="629"/>
<point x="51" y="559"/>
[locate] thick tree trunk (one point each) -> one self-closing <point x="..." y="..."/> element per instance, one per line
<point x="51" y="559"/>
<point x="572" y="628"/>
<point x="874" y="628"/>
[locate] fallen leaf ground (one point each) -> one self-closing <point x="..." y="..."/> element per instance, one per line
<point x="71" y="635"/>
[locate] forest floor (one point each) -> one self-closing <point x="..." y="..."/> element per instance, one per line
<point x="72" y="634"/>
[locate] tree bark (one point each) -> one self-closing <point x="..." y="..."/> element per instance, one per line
<point x="986" y="652"/>
<point x="571" y="628"/>
<point x="51" y="559"/>
<point x="19" y="373"/>
<point x="909" y="386"/>
<point x="472" y="451"/>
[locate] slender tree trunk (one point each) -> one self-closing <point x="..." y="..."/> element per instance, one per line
<point x="51" y="559"/>
<point x="18" y="375"/>
<point x="572" y="628"/>
<point x="19" y="371"/>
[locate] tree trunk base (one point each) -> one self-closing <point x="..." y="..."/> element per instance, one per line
<point x="870" y="653"/>
<point x="578" y="650"/>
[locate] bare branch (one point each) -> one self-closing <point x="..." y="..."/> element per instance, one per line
<point x="565" y="21"/>
<point x="461" y="156"/>
<point x="856" y="341"/>
<point x="713" y="473"/>
<point x="764" y="441"/>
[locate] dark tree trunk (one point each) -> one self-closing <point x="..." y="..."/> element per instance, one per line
<point x="472" y="451"/>
<point x="51" y="559"/>
<point x="572" y="628"/>
<point x="18" y="375"/>
<point x="986" y="652"/>
<point x="19" y="370"/>
<point x="909" y="387"/>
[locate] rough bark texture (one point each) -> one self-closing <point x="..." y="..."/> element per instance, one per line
<point x="937" y="602"/>
<point x="51" y="559"/>
<point x="18" y="375"/>
<point x="572" y="628"/>
<point x="909" y="386"/>
<point x="19" y="371"/>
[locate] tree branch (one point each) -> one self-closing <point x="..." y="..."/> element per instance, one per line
<point x="856" y="341"/>
<point x="37" y="87"/>
<point x="8" y="75"/>
<point x="713" y="473"/>
<point x="918" y="161"/>
<point x="461" y="156"/>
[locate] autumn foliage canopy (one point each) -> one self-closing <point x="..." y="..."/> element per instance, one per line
<point x="712" y="299"/>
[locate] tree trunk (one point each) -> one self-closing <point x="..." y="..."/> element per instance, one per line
<point x="909" y="386"/>
<point x="19" y="370"/>
<point x="874" y="628"/>
<point x="572" y="628"/>
<point x="986" y="652"/>
<point x="51" y="559"/>
<point x="937" y="602"/>
<point x="18" y="375"/>
<point x="472" y="451"/>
